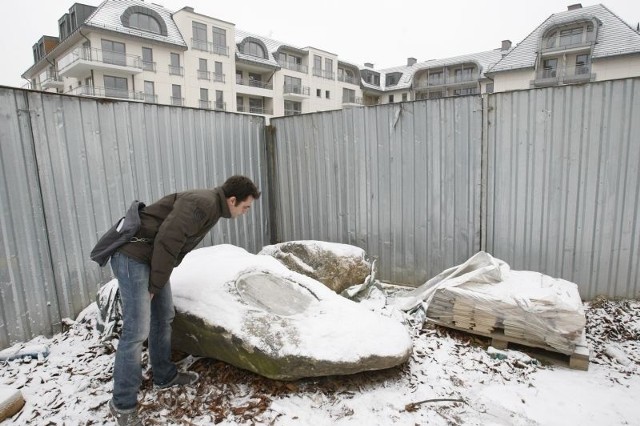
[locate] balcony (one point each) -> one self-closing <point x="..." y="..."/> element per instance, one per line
<point x="175" y="101"/>
<point x="252" y="87"/>
<point x="220" y="106"/>
<point x="205" y="46"/>
<point x="546" y="77"/>
<point x="150" y="98"/>
<point x="292" y="112"/>
<point x="176" y="70"/>
<point x="294" y="67"/>
<point x="255" y="110"/>
<point x="50" y="79"/>
<point x="80" y="61"/>
<point x="204" y="75"/>
<point x="351" y="100"/>
<point x="578" y="74"/>
<point x="219" y="78"/>
<point x="149" y="66"/>
<point x="295" y="91"/>
<point x="205" y="104"/>
<point x="348" y="79"/>
<point x="106" y="92"/>
<point x="328" y="74"/>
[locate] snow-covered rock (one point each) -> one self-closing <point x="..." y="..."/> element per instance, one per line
<point x="338" y="266"/>
<point x="252" y="312"/>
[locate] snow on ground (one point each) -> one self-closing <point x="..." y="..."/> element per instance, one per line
<point x="451" y="378"/>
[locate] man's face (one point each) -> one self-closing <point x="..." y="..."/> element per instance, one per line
<point x="238" y="208"/>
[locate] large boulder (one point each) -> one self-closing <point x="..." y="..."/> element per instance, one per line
<point x="252" y="312"/>
<point x="338" y="266"/>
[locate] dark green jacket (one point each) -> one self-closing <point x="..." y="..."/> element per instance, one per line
<point x="173" y="226"/>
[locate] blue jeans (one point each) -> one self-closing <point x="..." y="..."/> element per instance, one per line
<point x="142" y="318"/>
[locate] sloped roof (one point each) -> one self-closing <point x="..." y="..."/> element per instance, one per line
<point x="614" y="37"/>
<point x="108" y="17"/>
<point x="271" y="45"/>
<point x="484" y="60"/>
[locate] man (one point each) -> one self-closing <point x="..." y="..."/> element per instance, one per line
<point x="170" y="228"/>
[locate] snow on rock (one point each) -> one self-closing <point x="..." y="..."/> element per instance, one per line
<point x="253" y="312"/>
<point x="11" y="401"/>
<point x="338" y="266"/>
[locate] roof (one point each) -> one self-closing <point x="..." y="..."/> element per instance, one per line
<point x="614" y="37"/>
<point x="484" y="60"/>
<point x="271" y="45"/>
<point x="107" y="16"/>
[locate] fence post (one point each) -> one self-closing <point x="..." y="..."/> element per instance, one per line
<point x="272" y="183"/>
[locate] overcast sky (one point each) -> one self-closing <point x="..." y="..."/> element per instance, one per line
<point x="384" y="33"/>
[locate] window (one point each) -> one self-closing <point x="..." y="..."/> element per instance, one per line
<point x="147" y="59"/>
<point x="115" y="87"/>
<point x="435" y="78"/>
<point x="218" y="75"/>
<point x="435" y="95"/>
<point x="199" y="41"/>
<point x="463" y="74"/>
<point x="490" y="88"/>
<point x="219" y="100"/>
<point x="176" y="94"/>
<point x="240" y="103"/>
<point x="256" y="106"/>
<point x="174" y="67"/>
<point x="255" y="80"/>
<point x="144" y="22"/>
<point x="404" y="97"/>
<point x="292" y="108"/>
<point x="220" y="41"/>
<point x="348" y="96"/>
<point x="317" y="66"/>
<point x="392" y="79"/>
<point x="328" y="94"/>
<point x="204" y="99"/>
<point x="254" y="49"/>
<point x="319" y="93"/>
<point x="391" y="99"/>
<point x="292" y="85"/>
<point x="582" y="64"/>
<point x="150" y="92"/>
<point x="113" y="52"/>
<point x="465" y="91"/>
<point x="571" y="36"/>
<point x="328" y="68"/>
<point x="239" y="77"/>
<point x="549" y="68"/>
<point x="203" y="69"/>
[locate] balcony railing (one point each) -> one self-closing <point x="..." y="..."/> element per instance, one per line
<point x="294" y="66"/>
<point x="328" y="74"/>
<point x="105" y="92"/>
<point x="296" y="89"/>
<point x="150" y="98"/>
<point x="317" y="72"/>
<point x="204" y="75"/>
<point x="98" y="55"/>
<point x="221" y="106"/>
<point x="205" y="104"/>
<point x="351" y="100"/>
<point x="50" y="78"/>
<point x="206" y="46"/>
<point x="149" y="66"/>
<point x="254" y="83"/>
<point x="255" y="110"/>
<point x="176" y="70"/>
<point x="347" y="79"/>
<point x="177" y="101"/>
<point x="219" y="78"/>
<point x="292" y="112"/>
<point x="465" y="77"/>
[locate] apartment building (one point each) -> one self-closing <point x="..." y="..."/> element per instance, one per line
<point x="130" y="49"/>
<point x="575" y="46"/>
<point x="433" y="79"/>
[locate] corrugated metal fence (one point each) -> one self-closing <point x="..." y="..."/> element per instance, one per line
<point x="564" y="184"/>
<point x="401" y="181"/>
<point x="546" y="179"/>
<point x="71" y="166"/>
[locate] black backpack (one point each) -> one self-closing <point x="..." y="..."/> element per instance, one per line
<point x="120" y="233"/>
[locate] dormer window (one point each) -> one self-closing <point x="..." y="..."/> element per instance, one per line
<point x="144" y="19"/>
<point x="569" y="36"/>
<point x="392" y="79"/>
<point x="254" y="49"/>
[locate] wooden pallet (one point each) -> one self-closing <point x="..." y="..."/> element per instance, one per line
<point x="577" y="360"/>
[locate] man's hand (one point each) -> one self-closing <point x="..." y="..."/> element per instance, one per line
<point x="151" y="294"/>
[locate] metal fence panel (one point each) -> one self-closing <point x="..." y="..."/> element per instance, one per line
<point x="564" y="185"/>
<point x="28" y="301"/>
<point x="92" y="158"/>
<point x="399" y="181"/>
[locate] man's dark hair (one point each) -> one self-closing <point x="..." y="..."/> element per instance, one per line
<point x="240" y="187"/>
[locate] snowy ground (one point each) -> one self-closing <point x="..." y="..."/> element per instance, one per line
<point x="450" y="379"/>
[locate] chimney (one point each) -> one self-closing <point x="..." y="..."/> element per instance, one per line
<point x="188" y="9"/>
<point x="411" y="61"/>
<point x="506" y="45"/>
<point x="368" y="65"/>
<point x="574" y="6"/>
